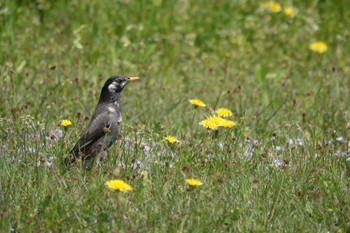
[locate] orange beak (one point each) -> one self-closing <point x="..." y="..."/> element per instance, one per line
<point x="133" y="78"/>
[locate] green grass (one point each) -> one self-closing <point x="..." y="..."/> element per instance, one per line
<point x="284" y="168"/>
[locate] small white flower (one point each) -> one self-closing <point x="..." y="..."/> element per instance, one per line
<point x="277" y="163"/>
<point x="278" y="148"/>
<point x="300" y="142"/>
<point x="172" y="154"/>
<point x="31" y="150"/>
<point x="210" y="156"/>
<point x="221" y="146"/>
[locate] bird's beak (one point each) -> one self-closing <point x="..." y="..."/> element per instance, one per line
<point x="133" y="78"/>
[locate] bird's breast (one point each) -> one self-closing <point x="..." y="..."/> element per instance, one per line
<point x="111" y="109"/>
<point x="115" y="113"/>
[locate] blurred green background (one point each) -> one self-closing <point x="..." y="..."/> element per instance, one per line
<point x="252" y="58"/>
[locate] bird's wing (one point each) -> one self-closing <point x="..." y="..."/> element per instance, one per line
<point x="94" y="132"/>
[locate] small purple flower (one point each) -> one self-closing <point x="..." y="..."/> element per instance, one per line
<point x="54" y="134"/>
<point x="34" y="136"/>
<point x="338" y="153"/>
<point x="248" y="153"/>
<point x="161" y="153"/>
<point x="340" y="139"/>
<point x="58" y="133"/>
<point x="147" y="149"/>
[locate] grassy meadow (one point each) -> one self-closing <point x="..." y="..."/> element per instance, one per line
<point x="282" y="68"/>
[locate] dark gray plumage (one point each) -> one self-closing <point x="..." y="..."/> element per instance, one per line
<point x="105" y="124"/>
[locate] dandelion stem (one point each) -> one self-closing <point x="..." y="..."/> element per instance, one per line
<point x="187" y="206"/>
<point x="120" y="209"/>
<point x="194" y="114"/>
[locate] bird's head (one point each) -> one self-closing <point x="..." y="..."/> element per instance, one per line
<point x="114" y="85"/>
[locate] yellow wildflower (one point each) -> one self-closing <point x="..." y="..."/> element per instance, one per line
<point x="222" y="122"/>
<point x="118" y="185"/>
<point x="197" y="103"/>
<point x="217" y="120"/>
<point x="66" y="123"/>
<point x="193" y="182"/>
<point x="171" y="139"/>
<point x="289" y="11"/>
<point x="213" y="122"/>
<point x="271" y="6"/>
<point x="318" y="47"/>
<point x="223" y="112"/>
<point x="228" y="124"/>
<point x="209" y="124"/>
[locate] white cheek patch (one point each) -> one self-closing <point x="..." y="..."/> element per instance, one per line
<point x="112" y="87"/>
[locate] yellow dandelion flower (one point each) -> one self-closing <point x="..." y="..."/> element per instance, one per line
<point x="223" y="112"/>
<point x="318" y="47"/>
<point x="118" y="185"/>
<point x="209" y="124"/>
<point x="171" y="139"/>
<point x="197" y="103"/>
<point x="193" y="182"/>
<point x="66" y="123"/>
<point x="217" y="120"/>
<point x="271" y="6"/>
<point x="222" y="122"/>
<point x="289" y="11"/>
<point x="228" y="124"/>
<point x="214" y="122"/>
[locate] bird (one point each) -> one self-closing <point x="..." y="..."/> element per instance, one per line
<point x="105" y="125"/>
